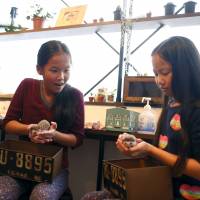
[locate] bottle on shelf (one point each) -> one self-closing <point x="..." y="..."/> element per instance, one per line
<point x="146" y="120"/>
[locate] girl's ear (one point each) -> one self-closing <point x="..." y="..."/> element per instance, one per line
<point x="39" y="70"/>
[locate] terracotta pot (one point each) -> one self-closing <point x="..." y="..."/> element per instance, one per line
<point x="91" y="99"/>
<point x="38" y="23"/>
<point x="100" y="98"/>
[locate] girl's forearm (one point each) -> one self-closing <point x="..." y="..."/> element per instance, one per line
<point x="65" y="139"/>
<point x="17" y="128"/>
<point x="192" y="167"/>
<point x="161" y="155"/>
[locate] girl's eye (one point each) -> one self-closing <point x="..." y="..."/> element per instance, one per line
<point x="156" y="74"/>
<point x="53" y="70"/>
<point x="66" y="71"/>
<point x="165" y="73"/>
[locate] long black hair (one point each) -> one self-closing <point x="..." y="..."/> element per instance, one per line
<point x="184" y="57"/>
<point x="64" y="104"/>
<point x="49" y="49"/>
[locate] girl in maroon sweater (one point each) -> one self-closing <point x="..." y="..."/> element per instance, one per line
<point x="57" y="102"/>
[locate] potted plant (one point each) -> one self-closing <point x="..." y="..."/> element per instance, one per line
<point x="101" y="95"/>
<point x="169" y="8"/>
<point x="111" y="96"/>
<point x="118" y="13"/>
<point x="12" y="27"/>
<point x="91" y="97"/>
<point x="38" y="16"/>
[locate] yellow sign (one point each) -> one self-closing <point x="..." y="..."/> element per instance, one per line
<point x="71" y="15"/>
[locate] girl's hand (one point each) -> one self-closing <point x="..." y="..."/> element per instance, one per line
<point x="140" y="149"/>
<point x="48" y="135"/>
<point x="42" y="136"/>
<point x="33" y="134"/>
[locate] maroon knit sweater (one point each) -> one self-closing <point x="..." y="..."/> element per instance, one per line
<point x="28" y="107"/>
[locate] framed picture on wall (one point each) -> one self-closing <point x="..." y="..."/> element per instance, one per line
<point x="137" y="87"/>
<point x="71" y="15"/>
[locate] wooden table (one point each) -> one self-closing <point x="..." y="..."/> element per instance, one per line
<point x="105" y="135"/>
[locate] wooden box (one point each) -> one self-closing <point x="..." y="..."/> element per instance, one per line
<point x="138" y="178"/>
<point x="120" y="119"/>
<point x="137" y="87"/>
<point x="30" y="161"/>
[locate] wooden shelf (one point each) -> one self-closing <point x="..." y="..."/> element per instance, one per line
<point x="121" y="104"/>
<point x="92" y="133"/>
<point x="104" y="27"/>
<point x="190" y="19"/>
<point x="6" y="97"/>
<point x="104" y="104"/>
